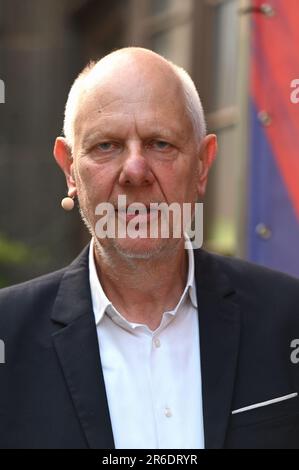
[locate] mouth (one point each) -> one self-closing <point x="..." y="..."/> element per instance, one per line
<point x="136" y="209"/>
<point x="131" y="210"/>
<point x="143" y="212"/>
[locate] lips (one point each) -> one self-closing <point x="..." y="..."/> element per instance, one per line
<point x="142" y="212"/>
<point x="136" y="209"/>
<point x="131" y="210"/>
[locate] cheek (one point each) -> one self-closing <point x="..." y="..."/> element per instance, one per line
<point x="183" y="183"/>
<point x="95" y="182"/>
<point x="85" y="170"/>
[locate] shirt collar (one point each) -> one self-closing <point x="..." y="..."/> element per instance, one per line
<point x="101" y="304"/>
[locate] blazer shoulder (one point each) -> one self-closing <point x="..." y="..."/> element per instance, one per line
<point x="32" y="285"/>
<point x="267" y="297"/>
<point x="21" y="301"/>
<point x="41" y="285"/>
<point x="27" y="308"/>
<point x="261" y="289"/>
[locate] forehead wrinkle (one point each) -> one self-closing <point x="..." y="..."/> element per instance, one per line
<point x="142" y="127"/>
<point x="120" y="126"/>
<point x="101" y="110"/>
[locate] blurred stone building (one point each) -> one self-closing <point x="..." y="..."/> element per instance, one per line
<point x="43" y="46"/>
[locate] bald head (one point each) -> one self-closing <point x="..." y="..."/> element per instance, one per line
<point x="132" y="71"/>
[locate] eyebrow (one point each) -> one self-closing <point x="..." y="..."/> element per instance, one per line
<point x="96" y="135"/>
<point x="157" y="131"/>
<point x="102" y="131"/>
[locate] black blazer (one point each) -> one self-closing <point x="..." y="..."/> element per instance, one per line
<point x="52" y="392"/>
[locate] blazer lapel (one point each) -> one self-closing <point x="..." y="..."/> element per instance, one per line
<point x="219" y="324"/>
<point x="77" y="348"/>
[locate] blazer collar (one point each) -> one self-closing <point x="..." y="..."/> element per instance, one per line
<point x="219" y="324"/>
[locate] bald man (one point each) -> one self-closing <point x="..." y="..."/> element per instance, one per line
<point x="146" y="341"/>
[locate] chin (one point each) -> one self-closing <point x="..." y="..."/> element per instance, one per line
<point x="140" y="248"/>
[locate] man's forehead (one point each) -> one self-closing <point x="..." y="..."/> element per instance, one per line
<point x="108" y="103"/>
<point x="108" y="91"/>
<point x="123" y="124"/>
<point x="115" y="104"/>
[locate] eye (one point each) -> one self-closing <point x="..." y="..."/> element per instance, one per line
<point x="160" y="145"/>
<point x="106" y="146"/>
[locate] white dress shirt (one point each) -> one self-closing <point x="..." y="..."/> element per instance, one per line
<point x="152" y="378"/>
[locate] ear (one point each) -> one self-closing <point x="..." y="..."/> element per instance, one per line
<point x="63" y="157"/>
<point x="207" y="155"/>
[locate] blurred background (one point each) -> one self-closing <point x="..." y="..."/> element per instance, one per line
<point x="242" y="56"/>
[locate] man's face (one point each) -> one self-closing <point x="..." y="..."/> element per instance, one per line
<point x="134" y="137"/>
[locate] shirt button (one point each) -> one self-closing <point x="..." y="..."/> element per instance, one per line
<point x="168" y="412"/>
<point x="157" y="343"/>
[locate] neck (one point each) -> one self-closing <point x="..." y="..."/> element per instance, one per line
<point x="143" y="289"/>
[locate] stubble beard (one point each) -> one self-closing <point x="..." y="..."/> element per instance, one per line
<point x="110" y="249"/>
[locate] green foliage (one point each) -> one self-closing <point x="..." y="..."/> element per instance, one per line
<point x="13" y="252"/>
<point x="16" y="254"/>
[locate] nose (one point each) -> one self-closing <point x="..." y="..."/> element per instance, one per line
<point x="135" y="170"/>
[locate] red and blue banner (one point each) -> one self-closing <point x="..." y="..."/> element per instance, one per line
<point x="274" y="143"/>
